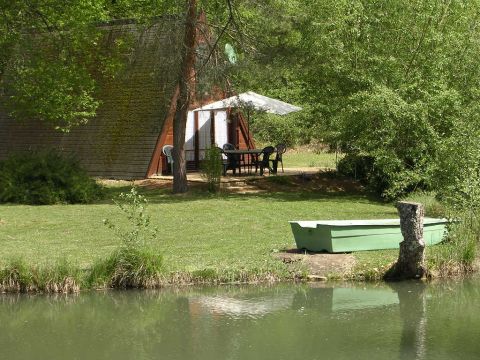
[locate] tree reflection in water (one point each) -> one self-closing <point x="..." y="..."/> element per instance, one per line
<point x="320" y="321"/>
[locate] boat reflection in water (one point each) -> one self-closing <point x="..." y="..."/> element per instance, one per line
<point x="408" y="320"/>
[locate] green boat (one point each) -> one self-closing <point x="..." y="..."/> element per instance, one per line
<point x="337" y="236"/>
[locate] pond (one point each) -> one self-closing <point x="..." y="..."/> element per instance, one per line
<point x="407" y="320"/>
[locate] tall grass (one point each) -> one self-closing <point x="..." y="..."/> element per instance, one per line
<point x="433" y="207"/>
<point x="127" y="268"/>
<point x="61" y="277"/>
<point x="458" y="254"/>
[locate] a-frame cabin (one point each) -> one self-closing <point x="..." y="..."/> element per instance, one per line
<point x="134" y="121"/>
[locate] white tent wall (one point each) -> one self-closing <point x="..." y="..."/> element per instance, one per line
<point x="221" y="128"/>
<point x="204" y="126"/>
<point x="190" y="137"/>
<point x="204" y="132"/>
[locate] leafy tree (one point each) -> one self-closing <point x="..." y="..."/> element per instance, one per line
<point x="391" y="80"/>
<point x="48" y="52"/>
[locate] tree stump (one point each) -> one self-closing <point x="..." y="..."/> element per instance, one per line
<point x="410" y="263"/>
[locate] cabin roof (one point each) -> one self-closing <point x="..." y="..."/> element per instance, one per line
<point x="119" y="141"/>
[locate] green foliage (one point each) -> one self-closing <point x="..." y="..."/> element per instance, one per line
<point x="45" y="178"/>
<point x="52" y="90"/>
<point x="381" y="175"/>
<point x="457" y="176"/>
<point x="212" y="168"/>
<point x="53" y="53"/>
<point x="133" y="264"/>
<point x="388" y="82"/>
<point x="269" y="129"/>
<point x="134" y="209"/>
<point x="50" y="52"/>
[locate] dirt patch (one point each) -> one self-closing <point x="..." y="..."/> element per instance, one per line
<point x="323" y="181"/>
<point x="320" y="264"/>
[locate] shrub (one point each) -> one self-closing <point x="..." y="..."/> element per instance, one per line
<point x="212" y="168"/>
<point x="363" y="169"/>
<point x="133" y="264"/>
<point x="382" y="174"/>
<point x="399" y="132"/>
<point x="45" y="178"/>
<point x="356" y="166"/>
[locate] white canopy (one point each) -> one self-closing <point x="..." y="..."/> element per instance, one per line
<point x="252" y="100"/>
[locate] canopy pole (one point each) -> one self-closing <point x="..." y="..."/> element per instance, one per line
<point x="248" y="128"/>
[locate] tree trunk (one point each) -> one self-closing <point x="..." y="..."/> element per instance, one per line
<point x="410" y="264"/>
<point x="186" y="83"/>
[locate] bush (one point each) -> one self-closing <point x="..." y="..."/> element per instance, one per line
<point x="399" y="133"/>
<point x="212" y="168"/>
<point x="363" y="169"/>
<point x="45" y="178"/>
<point x="457" y="176"/>
<point x="356" y="166"/>
<point x="382" y="174"/>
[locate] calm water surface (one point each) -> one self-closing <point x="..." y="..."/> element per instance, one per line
<point x="399" y="321"/>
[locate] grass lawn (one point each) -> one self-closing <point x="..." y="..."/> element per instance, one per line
<point x="198" y="232"/>
<point x="305" y="157"/>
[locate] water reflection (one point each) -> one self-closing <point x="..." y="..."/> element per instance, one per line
<point x="346" y="298"/>
<point x="413" y="310"/>
<point x="402" y="320"/>
<point x="244" y="302"/>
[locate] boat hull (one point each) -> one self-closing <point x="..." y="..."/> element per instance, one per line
<point x="358" y="235"/>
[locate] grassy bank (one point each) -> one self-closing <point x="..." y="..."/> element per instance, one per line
<point x="212" y="238"/>
<point x="202" y="238"/>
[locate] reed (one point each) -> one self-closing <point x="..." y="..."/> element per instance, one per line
<point x="127" y="268"/>
<point x="19" y="277"/>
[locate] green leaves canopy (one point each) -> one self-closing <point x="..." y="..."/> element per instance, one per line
<point x="393" y="80"/>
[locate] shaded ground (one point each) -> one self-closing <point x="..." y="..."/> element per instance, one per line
<point x="319" y="266"/>
<point x="294" y="179"/>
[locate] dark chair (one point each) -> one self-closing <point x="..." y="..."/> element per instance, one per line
<point x="233" y="161"/>
<point x="224" y="160"/>
<point x="167" y="151"/>
<point x="228" y="146"/>
<point x="281" y="149"/>
<point x="264" y="162"/>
